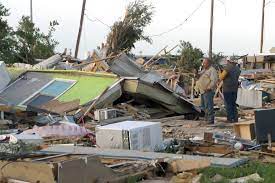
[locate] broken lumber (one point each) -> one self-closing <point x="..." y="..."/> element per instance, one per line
<point x="178" y="166"/>
<point x="94" y="102"/>
<point x="149" y="61"/>
<point x="245" y="130"/>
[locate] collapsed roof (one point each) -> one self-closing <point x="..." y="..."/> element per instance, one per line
<point x="35" y="88"/>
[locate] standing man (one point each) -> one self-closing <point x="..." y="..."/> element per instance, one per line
<point x="206" y="85"/>
<point x="230" y="77"/>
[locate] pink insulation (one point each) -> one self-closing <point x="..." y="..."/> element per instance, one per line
<point x="59" y="130"/>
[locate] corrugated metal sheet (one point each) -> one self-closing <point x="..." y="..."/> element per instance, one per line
<point x="124" y="66"/>
<point x="23" y="88"/>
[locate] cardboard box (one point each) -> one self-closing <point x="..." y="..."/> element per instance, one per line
<point x="245" y="130"/>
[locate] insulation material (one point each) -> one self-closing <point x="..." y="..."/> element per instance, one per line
<point x="62" y="130"/>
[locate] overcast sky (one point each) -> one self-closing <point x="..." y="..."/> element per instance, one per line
<point x="236" y="24"/>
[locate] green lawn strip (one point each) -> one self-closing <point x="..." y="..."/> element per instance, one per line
<point x="86" y="88"/>
<point x="266" y="171"/>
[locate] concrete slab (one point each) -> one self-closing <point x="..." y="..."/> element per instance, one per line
<point x="138" y="155"/>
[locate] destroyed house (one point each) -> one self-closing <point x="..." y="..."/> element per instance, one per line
<point x="260" y="61"/>
<point x="58" y="92"/>
<point x="34" y="88"/>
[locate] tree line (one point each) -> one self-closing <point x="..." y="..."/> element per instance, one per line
<point x="26" y="42"/>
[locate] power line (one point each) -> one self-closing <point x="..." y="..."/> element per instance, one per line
<point x="269" y="2"/>
<point x="97" y="20"/>
<point x="182" y="23"/>
<point x="223" y="3"/>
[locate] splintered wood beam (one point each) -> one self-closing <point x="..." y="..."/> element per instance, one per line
<point x="149" y="61"/>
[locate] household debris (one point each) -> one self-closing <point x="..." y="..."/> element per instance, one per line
<point x="139" y="155"/>
<point x="133" y="118"/>
<point x="25" y="138"/>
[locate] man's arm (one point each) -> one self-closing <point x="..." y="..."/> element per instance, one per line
<point x="223" y="74"/>
<point x="213" y="79"/>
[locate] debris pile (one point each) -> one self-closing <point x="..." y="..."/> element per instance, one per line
<point x="123" y="120"/>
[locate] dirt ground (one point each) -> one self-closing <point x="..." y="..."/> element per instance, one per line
<point x="183" y="129"/>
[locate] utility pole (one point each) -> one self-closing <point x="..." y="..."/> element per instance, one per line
<point x="31" y="11"/>
<point x="262" y="30"/>
<point x="211" y="29"/>
<point x="80" y="28"/>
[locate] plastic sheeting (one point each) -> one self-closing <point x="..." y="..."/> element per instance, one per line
<point x="250" y="85"/>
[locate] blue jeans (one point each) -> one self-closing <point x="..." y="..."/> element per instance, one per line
<point x="207" y="105"/>
<point x="230" y="105"/>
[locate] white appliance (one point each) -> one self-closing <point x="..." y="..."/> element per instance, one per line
<point x="103" y="114"/>
<point x="134" y="135"/>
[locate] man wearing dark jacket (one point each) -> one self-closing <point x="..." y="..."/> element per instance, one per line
<point x="230" y="76"/>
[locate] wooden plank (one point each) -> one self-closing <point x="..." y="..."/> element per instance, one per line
<point x="113" y="93"/>
<point x="165" y="53"/>
<point x="149" y="61"/>
<point x="57" y="107"/>
<point x="218" y="89"/>
<point x="134" y="176"/>
<point x="210" y="149"/>
<point x="192" y="88"/>
<point x="94" y="102"/>
<point x="27" y="171"/>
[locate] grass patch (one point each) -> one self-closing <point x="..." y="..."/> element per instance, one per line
<point x="266" y="171"/>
